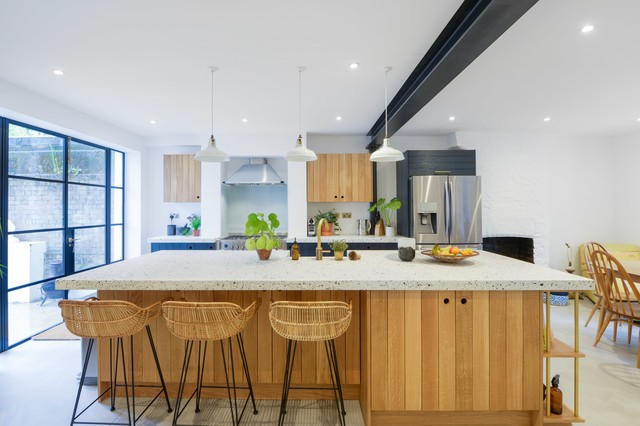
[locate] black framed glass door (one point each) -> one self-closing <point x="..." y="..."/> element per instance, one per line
<point x="58" y="210"/>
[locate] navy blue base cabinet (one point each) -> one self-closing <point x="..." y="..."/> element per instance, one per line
<point x="182" y="246"/>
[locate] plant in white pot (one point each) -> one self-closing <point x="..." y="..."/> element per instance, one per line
<point x="262" y="233"/>
<point x="385" y="214"/>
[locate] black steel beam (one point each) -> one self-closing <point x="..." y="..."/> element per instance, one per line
<point x="471" y="30"/>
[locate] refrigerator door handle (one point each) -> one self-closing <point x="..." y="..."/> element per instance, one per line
<point x="447" y="209"/>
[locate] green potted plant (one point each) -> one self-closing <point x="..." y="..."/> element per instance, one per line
<point x="332" y="221"/>
<point x="338" y="247"/>
<point x="262" y="233"/>
<point x="384" y="225"/>
<point x="196" y="222"/>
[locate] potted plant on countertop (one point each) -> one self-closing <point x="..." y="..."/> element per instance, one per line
<point x="332" y="222"/>
<point x="262" y="233"/>
<point x="338" y="247"/>
<point x="171" y="229"/>
<point x="196" y="222"/>
<point x="384" y="225"/>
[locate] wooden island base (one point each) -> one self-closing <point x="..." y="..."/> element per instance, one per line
<point x="410" y="357"/>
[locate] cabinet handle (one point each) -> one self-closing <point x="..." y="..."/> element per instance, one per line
<point x="335" y="196"/>
<point x="446" y="300"/>
<point x="342" y="196"/>
<point x="463" y="301"/>
<point x="198" y="197"/>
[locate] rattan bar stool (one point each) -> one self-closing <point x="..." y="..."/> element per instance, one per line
<point x="201" y="322"/>
<point x="311" y="322"/>
<point x="112" y="319"/>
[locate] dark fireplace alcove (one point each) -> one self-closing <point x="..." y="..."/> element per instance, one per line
<point x="520" y="248"/>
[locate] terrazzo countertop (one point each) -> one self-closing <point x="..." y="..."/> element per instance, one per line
<point x="181" y="239"/>
<point x="349" y="239"/>
<point x="377" y="270"/>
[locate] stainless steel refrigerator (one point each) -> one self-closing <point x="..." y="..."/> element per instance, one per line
<point x="445" y="210"/>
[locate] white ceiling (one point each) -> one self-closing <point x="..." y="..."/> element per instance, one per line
<point x="127" y="62"/>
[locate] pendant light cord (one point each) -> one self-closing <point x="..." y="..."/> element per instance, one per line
<point x="386" y="102"/>
<point x="212" y="71"/>
<point x="300" y="69"/>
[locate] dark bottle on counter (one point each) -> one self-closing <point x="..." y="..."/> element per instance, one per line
<point x="295" y="250"/>
<point x="555" y="396"/>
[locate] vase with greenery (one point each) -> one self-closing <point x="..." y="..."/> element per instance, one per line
<point x="262" y="234"/>
<point x="338" y="247"/>
<point x="196" y="222"/>
<point x="331" y="218"/>
<point x="385" y="208"/>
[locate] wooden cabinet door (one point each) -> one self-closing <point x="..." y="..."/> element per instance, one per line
<point x="340" y="178"/>
<point x="453" y="351"/>
<point x="181" y="179"/>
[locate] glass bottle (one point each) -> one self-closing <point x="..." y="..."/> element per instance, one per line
<point x="295" y="250"/>
<point x="555" y="396"/>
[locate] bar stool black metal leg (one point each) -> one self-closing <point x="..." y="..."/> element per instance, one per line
<point x="124" y="374"/>
<point x="233" y="378"/>
<point x="245" y="366"/>
<point x="183" y="378"/>
<point x="335" y="363"/>
<point x="133" y="384"/>
<point x="155" y="357"/>
<point x="334" y="387"/>
<point x="284" y="383"/>
<point x="226" y="376"/>
<point x="114" y="379"/>
<point x="82" y="376"/>
<point x="287" y="380"/>
<point x="200" y="375"/>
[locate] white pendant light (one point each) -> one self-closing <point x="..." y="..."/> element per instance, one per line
<point x="300" y="152"/>
<point x="212" y="153"/>
<point x="385" y="153"/>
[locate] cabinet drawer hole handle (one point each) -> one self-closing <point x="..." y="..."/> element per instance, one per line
<point x="446" y="300"/>
<point x="335" y="196"/>
<point x="463" y="301"/>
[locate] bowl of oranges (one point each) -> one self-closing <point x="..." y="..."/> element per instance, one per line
<point x="450" y="254"/>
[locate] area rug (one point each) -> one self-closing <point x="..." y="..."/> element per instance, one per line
<point x="59" y="332"/>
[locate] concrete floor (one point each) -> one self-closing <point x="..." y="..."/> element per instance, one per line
<point x="38" y="385"/>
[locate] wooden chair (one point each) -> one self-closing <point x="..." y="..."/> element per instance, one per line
<point x="618" y="290"/>
<point x="590" y="247"/>
<point x="113" y="320"/>
<point x="311" y="322"/>
<point x="201" y="322"/>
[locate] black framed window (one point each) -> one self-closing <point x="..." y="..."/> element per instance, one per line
<point x="62" y="212"/>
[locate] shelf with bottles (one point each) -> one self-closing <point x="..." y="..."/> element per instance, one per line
<point x="553" y="349"/>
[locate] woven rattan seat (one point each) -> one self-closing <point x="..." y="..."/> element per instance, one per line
<point x="207" y="320"/>
<point x="310" y="321"/>
<point x="106" y="318"/>
<point x="201" y="322"/>
<point x="113" y="320"/>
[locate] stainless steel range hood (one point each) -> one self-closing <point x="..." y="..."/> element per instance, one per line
<point x="257" y="172"/>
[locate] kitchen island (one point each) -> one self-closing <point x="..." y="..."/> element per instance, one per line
<point x="429" y="342"/>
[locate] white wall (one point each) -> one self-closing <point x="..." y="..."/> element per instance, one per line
<point x="156" y="211"/>
<point x="625" y="178"/>
<point x="543" y="186"/>
<point x="31" y="108"/>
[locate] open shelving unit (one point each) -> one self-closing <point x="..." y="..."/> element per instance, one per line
<point x="555" y="348"/>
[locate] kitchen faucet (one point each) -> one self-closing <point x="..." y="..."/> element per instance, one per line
<point x="319" y="250"/>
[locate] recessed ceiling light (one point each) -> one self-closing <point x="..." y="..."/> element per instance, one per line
<point x="452" y="118"/>
<point x="354" y="65"/>
<point x="547" y="119"/>
<point x="58" y="72"/>
<point x="339" y="118"/>
<point x="244" y="120"/>
<point x="638" y="119"/>
<point x="587" y="28"/>
<point x="152" y="121"/>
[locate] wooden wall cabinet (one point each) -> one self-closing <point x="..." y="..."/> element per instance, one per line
<point x="181" y="179"/>
<point x="340" y="178"/>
